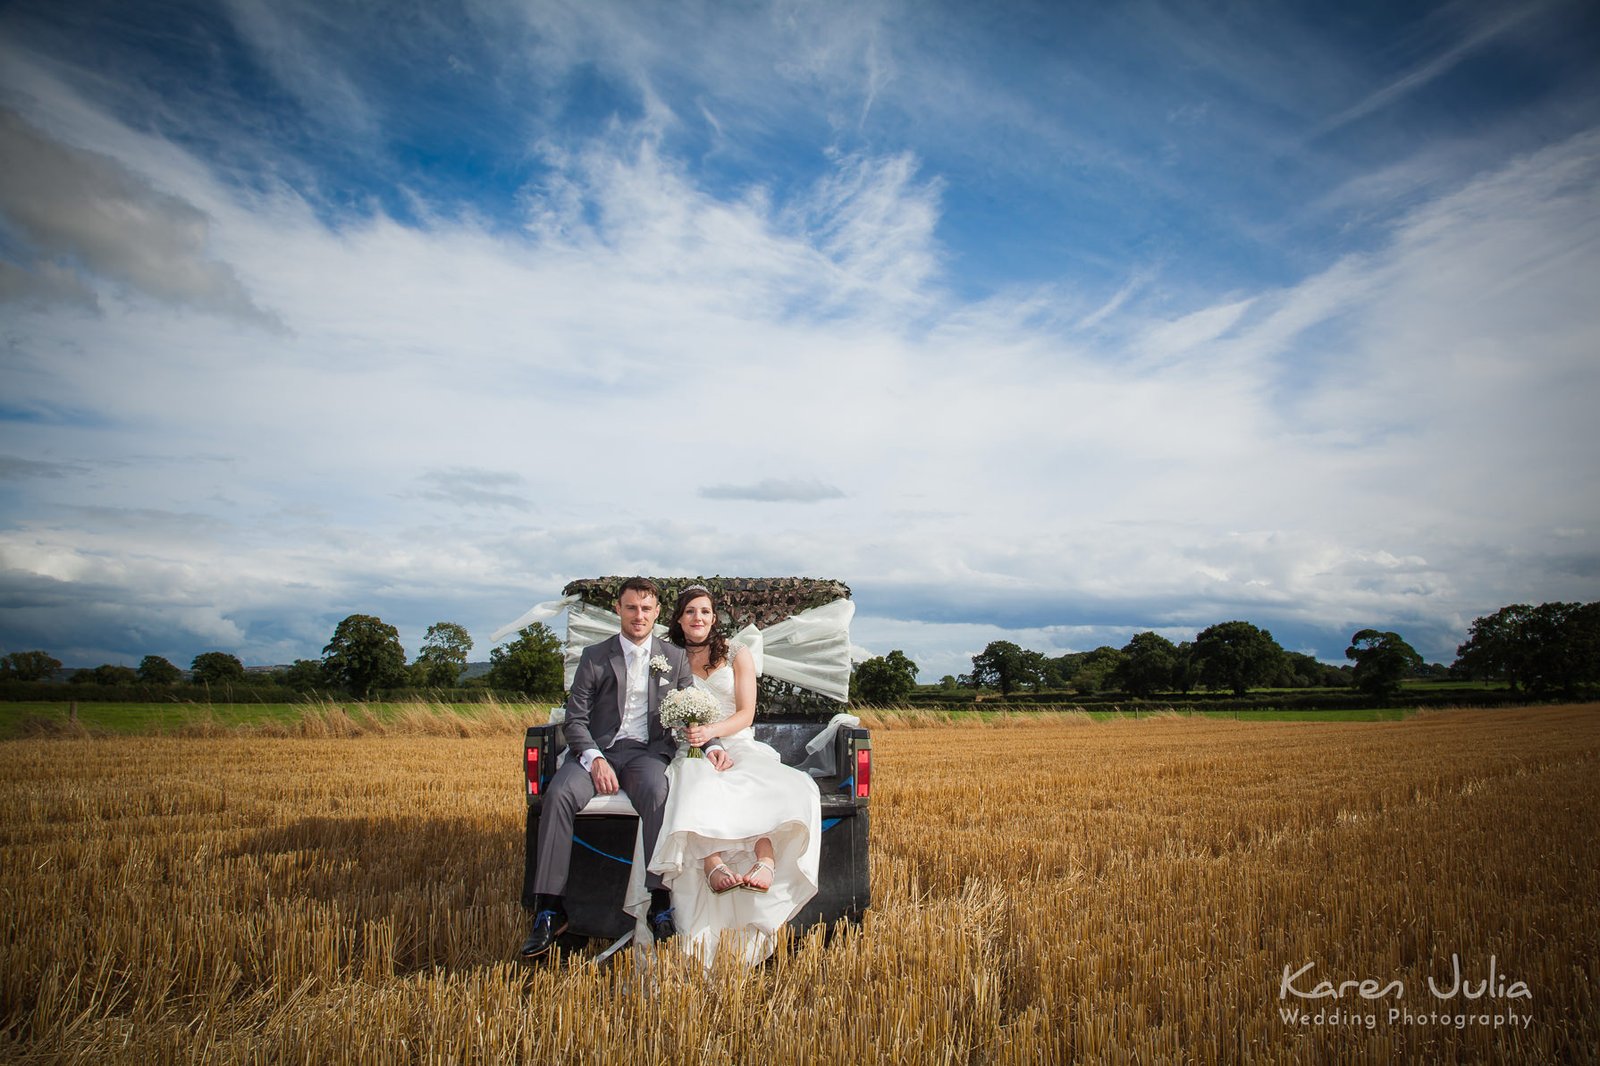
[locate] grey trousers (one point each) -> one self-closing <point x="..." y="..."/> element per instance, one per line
<point x="642" y="775"/>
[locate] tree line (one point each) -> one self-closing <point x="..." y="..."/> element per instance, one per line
<point x="363" y="658"/>
<point x="1552" y="648"/>
<point x="1544" y="650"/>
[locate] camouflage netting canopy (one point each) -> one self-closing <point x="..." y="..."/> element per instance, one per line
<point x="742" y="601"/>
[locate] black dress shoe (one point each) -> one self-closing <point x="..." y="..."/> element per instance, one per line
<point x="547" y="925"/>
<point x="659" y="919"/>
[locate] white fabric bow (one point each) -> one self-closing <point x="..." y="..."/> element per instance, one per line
<point x="810" y="649"/>
<point x="539" y="612"/>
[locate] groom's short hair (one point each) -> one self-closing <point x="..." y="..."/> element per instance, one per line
<point x="640" y="585"/>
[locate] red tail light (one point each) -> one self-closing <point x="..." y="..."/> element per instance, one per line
<point x="533" y="771"/>
<point x="863" y="772"/>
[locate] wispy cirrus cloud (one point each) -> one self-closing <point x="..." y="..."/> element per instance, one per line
<point x="469" y="487"/>
<point x="775" y="490"/>
<point x="1483" y="29"/>
<point x="300" y="44"/>
<point x="16" y="468"/>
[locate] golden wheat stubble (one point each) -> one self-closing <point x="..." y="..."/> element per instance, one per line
<point x="1127" y="890"/>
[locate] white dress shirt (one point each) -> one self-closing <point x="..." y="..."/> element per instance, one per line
<point x="635" y="700"/>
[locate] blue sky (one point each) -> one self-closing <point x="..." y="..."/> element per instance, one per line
<point x="1045" y="322"/>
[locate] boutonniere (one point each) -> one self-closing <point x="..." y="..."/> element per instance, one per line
<point x="660" y="665"/>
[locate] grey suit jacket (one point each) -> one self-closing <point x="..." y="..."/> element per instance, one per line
<point x="594" y="705"/>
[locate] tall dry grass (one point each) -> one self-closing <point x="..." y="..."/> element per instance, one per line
<point x="327" y="718"/>
<point x="1120" y="891"/>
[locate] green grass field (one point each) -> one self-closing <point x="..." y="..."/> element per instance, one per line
<point x="140" y="719"/>
<point x="1271" y="714"/>
<point x="959" y="715"/>
<point x="136" y="719"/>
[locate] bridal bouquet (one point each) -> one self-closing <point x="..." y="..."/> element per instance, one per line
<point x="684" y="707"/>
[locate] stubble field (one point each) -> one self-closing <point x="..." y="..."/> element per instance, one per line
<point x="1044" y="890"/>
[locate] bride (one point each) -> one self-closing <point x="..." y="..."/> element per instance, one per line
<point x="740" y="836"/>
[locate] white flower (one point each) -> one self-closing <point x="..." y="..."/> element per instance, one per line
<point x="684" y="707"/>
<point x="660" y="665"/>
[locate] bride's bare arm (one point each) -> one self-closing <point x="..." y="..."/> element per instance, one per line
<point x="744" y="697"/>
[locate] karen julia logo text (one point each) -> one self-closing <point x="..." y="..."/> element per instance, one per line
<point x="1462" y="999"/>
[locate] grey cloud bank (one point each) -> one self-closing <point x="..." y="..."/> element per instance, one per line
<point x="84" y="209"/>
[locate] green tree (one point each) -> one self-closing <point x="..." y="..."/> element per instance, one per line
<point x="216" y="668"/>
<point x="1063" y="668"/>
<point x="1037" y="670"/>
<point x="443" y="657"/>
<point x="948" y="683"/>
<point x="304" y="675"/>
<point x="105" y="674"/>
<point x="1235" y="655"/>
<point x="156" y="670"/>
<point x="1095" y="669"/>
<point x="1549" y="648"/>
<point x="364" y="655"/>
<point x="1002" y="665"/>
<point x="28" y="666"/>
<point x="1147" y="665"/>
<point x="531" y="664"/>
<point x="1496" y="647"/>
<point x="113" y="674"/>
<point x="1051" y="674"/>
<point x="1185" y="674"/>
<point x="1383" y="660"/>
<point x="1560" y="656"/>
<point x="1582" y="641"/>
<point x="1300" y="670"/>
<point x="884" y="680"/>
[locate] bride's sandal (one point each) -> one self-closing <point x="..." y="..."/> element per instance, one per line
<point x="771" y="872"/>
<point x="731" y="880"/>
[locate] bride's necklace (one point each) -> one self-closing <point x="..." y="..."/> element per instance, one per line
<point x="700" y="660"/>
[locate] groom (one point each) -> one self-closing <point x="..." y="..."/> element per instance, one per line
<point x="614" y="739"/>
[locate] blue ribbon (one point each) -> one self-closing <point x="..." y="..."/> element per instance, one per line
<point x="603" y="854"/>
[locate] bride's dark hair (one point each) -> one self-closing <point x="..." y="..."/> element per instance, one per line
<point x="716" y="643"/>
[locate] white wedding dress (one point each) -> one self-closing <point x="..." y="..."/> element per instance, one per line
<point x="710" y="811"/>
